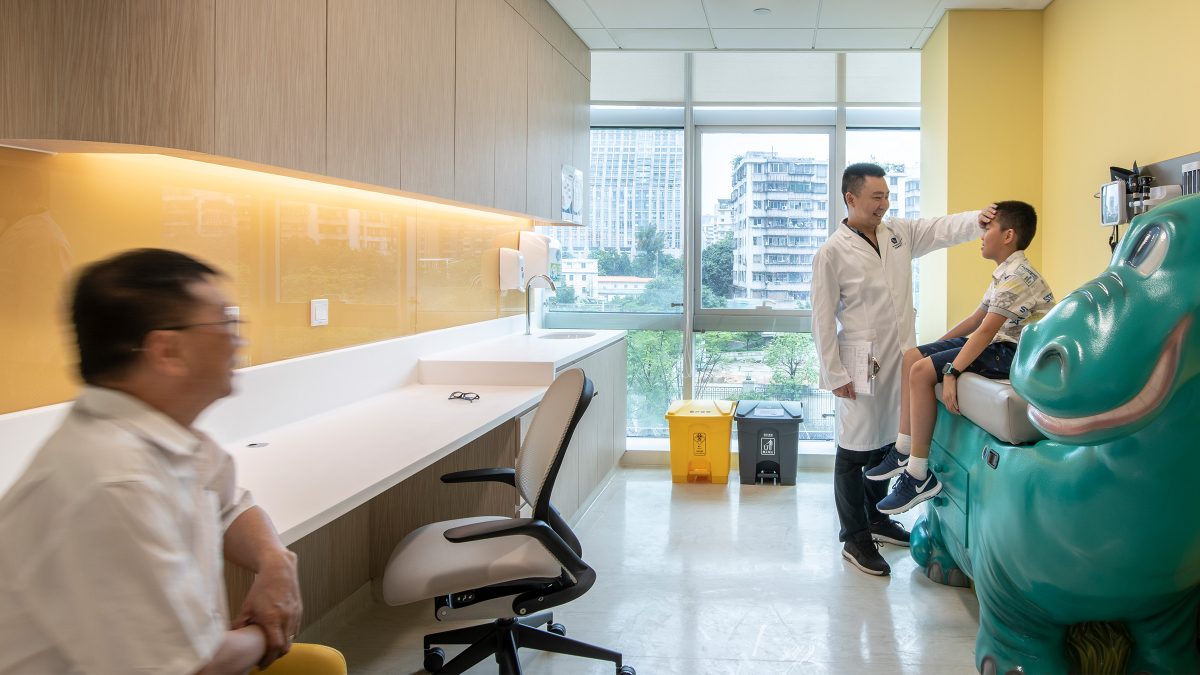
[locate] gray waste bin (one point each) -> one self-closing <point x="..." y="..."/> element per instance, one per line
<point x="768" y="434"/>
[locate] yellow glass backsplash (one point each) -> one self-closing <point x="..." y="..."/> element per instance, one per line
<point x="389" y="265"/>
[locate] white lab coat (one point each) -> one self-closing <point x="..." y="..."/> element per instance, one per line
<point x="870" y="296"/>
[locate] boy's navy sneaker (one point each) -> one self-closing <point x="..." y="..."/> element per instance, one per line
<point x="890" y="532"/>
<point x="861" y="551"/>
<point x="907" y="492"/>
<point x="893" y="464"/>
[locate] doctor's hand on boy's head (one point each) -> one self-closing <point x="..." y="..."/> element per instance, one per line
<point x="845" y="391"/>
<point x="987" y="215"/>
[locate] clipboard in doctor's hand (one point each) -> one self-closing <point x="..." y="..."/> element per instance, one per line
<point x="860" y="364"/>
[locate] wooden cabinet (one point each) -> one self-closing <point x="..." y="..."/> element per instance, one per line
<point x="426" y="81"/>
<point x="540" y="148"/>
<point x="512" y="112"/>
<point x="477" y="100"/>
<point x="380" y="52"/>
<point x="599" y="439"/>
<point x="476" y="92"/>
<point x="270" y="82"/>
<point x="121" y="71"/>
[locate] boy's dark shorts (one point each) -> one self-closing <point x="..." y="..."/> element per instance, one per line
<point x="994" y="363"/>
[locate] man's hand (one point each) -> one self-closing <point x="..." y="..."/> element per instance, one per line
<point x="845" y="391"/>
<point x="950" y="394"/>
<point x="987" y="215"/>
<point x="273" y="604"/>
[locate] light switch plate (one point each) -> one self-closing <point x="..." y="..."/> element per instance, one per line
<point x="318" y="312"/>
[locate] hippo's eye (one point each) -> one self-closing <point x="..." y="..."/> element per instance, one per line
<point x="1148" y="251"/>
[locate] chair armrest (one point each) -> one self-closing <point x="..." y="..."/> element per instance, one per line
<point x="528" y="527"/>
<point x="507" y="476"/>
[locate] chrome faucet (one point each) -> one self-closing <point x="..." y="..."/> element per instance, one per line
<point x="528" y="294"/>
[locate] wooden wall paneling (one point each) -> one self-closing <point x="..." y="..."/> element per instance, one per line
<point x="542" y="58"/>
<point x="554" y="30"/>
<point x="512" y="111"/>
<point x="366" y="104"/>
<point x="333" y="563"/>
<point x="427" y="40"/>
<point x="270" y="82"/>
<point x="477" y="92"/>
<point x="28" y="68"/>
<point x="424" y="498"/>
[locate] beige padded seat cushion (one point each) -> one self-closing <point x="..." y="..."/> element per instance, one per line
<point x="996" y="407"/>
<point x="426" y="565"/>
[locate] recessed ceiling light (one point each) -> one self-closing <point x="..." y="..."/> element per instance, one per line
<point x="763" y="11"/>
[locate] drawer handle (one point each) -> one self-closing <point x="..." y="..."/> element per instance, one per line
<point x="939" y="500"/>
<point x="939" y="468"/>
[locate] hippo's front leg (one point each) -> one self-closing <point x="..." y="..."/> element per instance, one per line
<point x="929" y="550"/>
<point x="1015" y="636"/>
<point x="1166" y="642"/>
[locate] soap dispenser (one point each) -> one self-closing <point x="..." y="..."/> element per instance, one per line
<point x="543" y="254"/>
<point x="512" y="270"/>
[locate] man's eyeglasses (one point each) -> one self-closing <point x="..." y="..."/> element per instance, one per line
<point x="231" y="326"/>
<point x="468" y="396"/>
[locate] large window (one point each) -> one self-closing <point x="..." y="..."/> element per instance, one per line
<point x="713" y="181"/>
<point x="764" y="211"/>
<point x="630" y="259"/>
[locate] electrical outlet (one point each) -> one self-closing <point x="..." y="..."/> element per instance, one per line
<point x="318" y="312"/>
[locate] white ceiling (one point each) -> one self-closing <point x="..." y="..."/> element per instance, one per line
<point x="790" y="24"/>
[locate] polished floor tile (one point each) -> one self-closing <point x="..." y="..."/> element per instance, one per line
<point x="720" y="579"/>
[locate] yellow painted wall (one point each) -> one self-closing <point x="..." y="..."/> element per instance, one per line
<point x="1121" y="84"/>
<point x="389" y="265"/>
<point x="935" y="140"/>
<point x="989" y="113"/>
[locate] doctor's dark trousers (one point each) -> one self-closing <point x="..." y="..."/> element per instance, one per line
<point x="854" y="494"/>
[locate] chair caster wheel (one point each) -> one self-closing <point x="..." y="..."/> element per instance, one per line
<point x="435" y="658"/>
<point x="626" y="670"/>
<point x="557" y="629"/>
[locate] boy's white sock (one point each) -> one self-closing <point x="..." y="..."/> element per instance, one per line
<point x="918" y="467"/>
<point x="903" y="444"/>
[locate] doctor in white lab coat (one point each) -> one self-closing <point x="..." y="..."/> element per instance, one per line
<point x="862" y="293"/>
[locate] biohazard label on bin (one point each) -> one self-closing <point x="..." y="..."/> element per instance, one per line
<point x="766" y="445"/>
<point x="699" y="444"/>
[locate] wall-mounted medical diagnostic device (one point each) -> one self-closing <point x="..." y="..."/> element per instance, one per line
<point x="1129" y="194"/>
<point x="1114" y="209"/>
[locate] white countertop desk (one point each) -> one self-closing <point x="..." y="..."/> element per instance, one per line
<point x="342" y="427"/>
<point x="310" y="473"/>
<point x="313" y="471"/>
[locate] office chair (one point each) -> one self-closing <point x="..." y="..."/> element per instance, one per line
<point x="508" y="569"/>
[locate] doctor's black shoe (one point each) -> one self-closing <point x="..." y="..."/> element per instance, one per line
<point x="861" y="551"/>
<point x="889" y="532"/>
<point x="893" y="464"/>
<point x="907" y="492"/>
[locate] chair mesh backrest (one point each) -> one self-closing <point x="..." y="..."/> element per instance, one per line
<point x="547" y="434"/>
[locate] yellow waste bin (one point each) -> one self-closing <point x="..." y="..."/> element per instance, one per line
<point x="700" y="440"/>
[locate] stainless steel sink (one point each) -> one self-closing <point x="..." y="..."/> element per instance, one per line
<point x="567" y="335"/>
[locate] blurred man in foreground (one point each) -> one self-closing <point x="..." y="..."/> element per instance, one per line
<point x="114" y="536"/>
